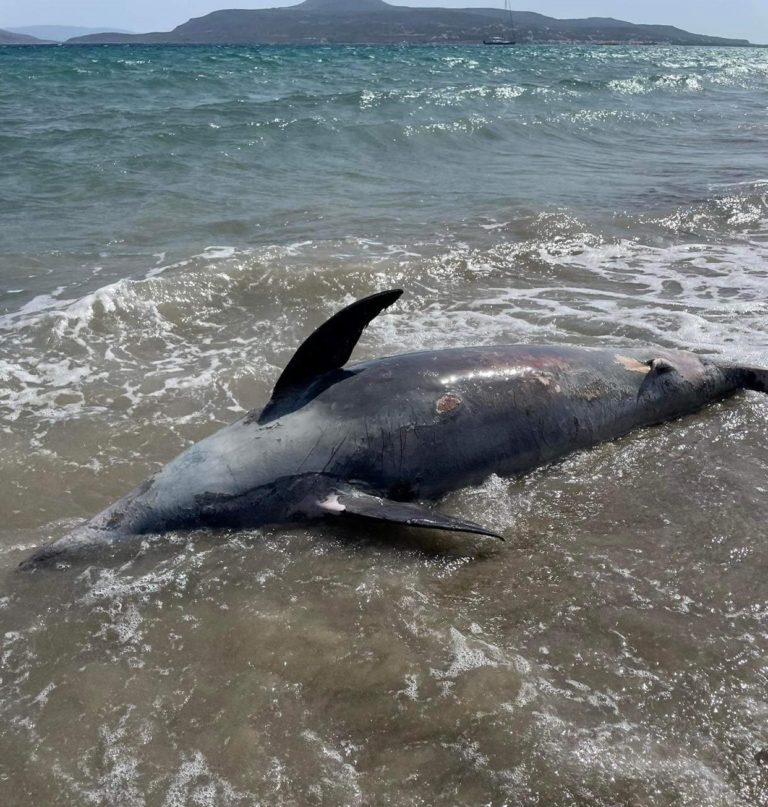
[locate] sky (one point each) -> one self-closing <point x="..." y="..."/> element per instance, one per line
<point x="744" y="19"/>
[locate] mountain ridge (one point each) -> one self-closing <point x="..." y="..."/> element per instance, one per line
<point x="378" y="22"/>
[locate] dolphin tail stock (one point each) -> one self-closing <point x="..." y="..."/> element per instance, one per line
<point x="349" y="501"/>
<point x="751" y="378"/>
<point x="754" y="378"/>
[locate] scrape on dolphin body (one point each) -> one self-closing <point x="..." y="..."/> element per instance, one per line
<point x="369" y="440"/>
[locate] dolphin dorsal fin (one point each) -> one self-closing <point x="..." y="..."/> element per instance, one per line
<point x="327" y="349"/>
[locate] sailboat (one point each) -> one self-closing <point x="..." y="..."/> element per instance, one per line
<point x="498" y="40"/>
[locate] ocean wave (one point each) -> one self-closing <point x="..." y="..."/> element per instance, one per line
<point x="205" y="335"/>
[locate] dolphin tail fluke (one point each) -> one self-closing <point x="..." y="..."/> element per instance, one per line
<point x="356" y="503"/>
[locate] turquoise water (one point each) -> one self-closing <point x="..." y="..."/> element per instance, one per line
<point x="174" y="220"/>
<point x="110" y="155"/>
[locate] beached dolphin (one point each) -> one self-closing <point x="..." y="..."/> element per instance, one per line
<point x="371" y="440"/>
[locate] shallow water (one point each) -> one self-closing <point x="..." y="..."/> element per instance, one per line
<point x="174" y="220"/>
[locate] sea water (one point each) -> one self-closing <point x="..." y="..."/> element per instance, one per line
<point x="174" y="220"/>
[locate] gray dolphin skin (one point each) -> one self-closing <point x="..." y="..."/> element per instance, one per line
<point x="369" y="441"/>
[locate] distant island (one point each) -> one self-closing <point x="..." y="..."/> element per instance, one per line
<point x="61" y="33"/>
<point x="318" y="22"/>
<point x="11" y="38"/>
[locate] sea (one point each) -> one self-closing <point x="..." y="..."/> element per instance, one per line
<point x="175" y="220"/>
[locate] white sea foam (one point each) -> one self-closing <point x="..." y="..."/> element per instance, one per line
<point x="120" y="781"/>
<point x="703" y="295"/>
<point x="341" y="780"/>
<point x="194" y="784"/>
<point x="469" y="654"/>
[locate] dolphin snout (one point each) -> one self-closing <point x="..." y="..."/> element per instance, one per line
<point x="86" y="538"/>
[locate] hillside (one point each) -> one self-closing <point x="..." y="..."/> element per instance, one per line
<point x="60" y="33"/>
<point x="374" y="21"/>
<point x="10" y="38"/>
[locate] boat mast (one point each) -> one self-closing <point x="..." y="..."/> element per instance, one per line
<point x="498" y="40"/>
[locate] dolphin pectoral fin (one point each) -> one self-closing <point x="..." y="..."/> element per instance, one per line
<point x="327" y="349"/>
<point x="356" y="503"/>
<point x="659" y="368"/>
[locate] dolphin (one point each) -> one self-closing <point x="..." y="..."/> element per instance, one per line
<point x="373" y="441"/>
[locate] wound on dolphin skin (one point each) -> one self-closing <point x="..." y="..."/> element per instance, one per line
<point x="447" y="403"/>
<point x="632" y="364"/>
